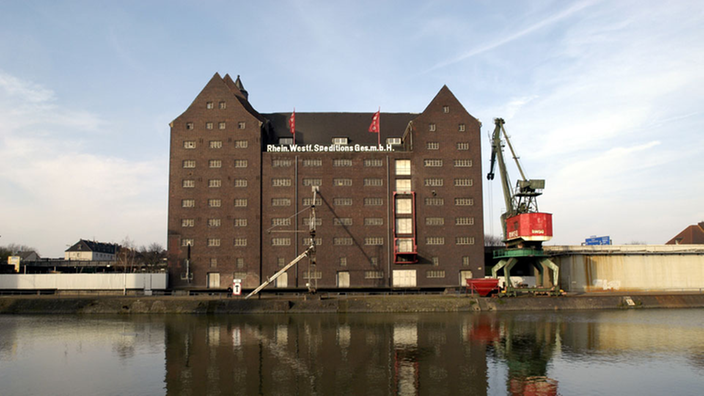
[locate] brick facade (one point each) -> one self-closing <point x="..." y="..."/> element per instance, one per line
<point x="243" y="206"/>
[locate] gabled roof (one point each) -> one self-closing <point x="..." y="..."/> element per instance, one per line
<point x="320" y="128"/>
<point x="92" y="246"/>
<point x="693" y="234"/>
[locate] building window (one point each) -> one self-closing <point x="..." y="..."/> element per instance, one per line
<point x="215" y="144"/>
<point x="222" y="125"/>
<point x="373" y="221"/>
<point x="404" y="226"/>
<point x="373" y="274"/>
<point x="374" y="163"/>
<point x="373" y="201"/>
<point x="214" y="183"/>
<point x="464" y="182"/>
<point x="215" y="163"/>
<point x="434" y="221"/>
<point x="405" y="245"/>
<point x="403" y="167"/>
<point x="433" y="182"/>
<point x="432" y="163"/>
<point x="213" y="242"/>
<point x="465" y="261"/>
<point x="312" y="275"/>
<point x="373" y="182"/>
<point x="240" y="223"/>
<point x="214" y="203"/>
<point x="434" y="201"/>
<point x="343" y="241"/>
<point x="342" y="221"/>
<point x="240" y="163"/>
<point x="284" y="182"/>
<point x="280" y="202"/>
<point x="342" y="201"/>
<point x="341" y="162"/>
<point x="318" y="241"/>
<point x="403" y="185"/>
<point x="312" y="182"/>
<point x="309" y="201"/>
<point x="189" y="183"/>
<point x="241" y="144"/>
<point x="188" y="222"/>
<point x="281" y="162"/>
<point x="342" y="182"/>
<point x="280" y="222"/>
<point x="208" y="125"/>
<point x="393" y="141"/>
<point x="189" y="144"/>
<point x="340" y="140"/>
<point x="280" y="261"/>
<point x="464" y="240"/>
<point x="214" y="222"/>
<point x="285" y="141"/>
<point x="434" y="240"/>
<point x="374" y="241"/>
<point x="435" y="274"/>
<point x="280" y="241"/>
<point x="240" y="183"/>
<point x="463" y="221"/>
<point x="462" y="146"/>
<point x="240" y="202"/>
<point x="432" y="146"/>
<point x="464" y="201"/>
<point x="189" y="125"/>
<point x="446" y="109"/>
<point x="240" y="242"/>
<point x="318" y="221"/>
<point x="374" y="261"/>
<point x="213" y="263"/>
<point x="343" y="261"/>
<point x="239" y="261"/>
<point x="189" y="163"/>
<point x="241" y="125"/>
<point x="462" y="127"/>
<point x="404" y="206"/>
<point x="188" y="203"/>
<point x="436" y="261"/>
<point x="187" y="242"/>
<point x="223" y="105"/>
<point x="312" y="162"/>
<point x="463" y="163"/>
<point x="431" y="127"/>
<point x="209" y="105"/>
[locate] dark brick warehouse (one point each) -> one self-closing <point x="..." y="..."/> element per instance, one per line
<point x="406" y="214"/>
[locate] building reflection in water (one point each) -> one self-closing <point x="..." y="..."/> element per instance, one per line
<point x="324" y="354"/>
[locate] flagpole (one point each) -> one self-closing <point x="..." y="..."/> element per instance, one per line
<point x="378" y="135"/>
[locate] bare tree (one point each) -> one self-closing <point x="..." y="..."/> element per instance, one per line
<point x="493" y="240"/>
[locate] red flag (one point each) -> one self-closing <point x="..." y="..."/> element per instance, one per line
<point x="374" y="127"/>
<point x="292" y="122"/>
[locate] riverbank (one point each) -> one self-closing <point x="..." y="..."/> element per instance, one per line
<point x="337" y="304"/>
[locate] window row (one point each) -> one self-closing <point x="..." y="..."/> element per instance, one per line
<point x="221" y="105"/>
<point x="432" y="127"/>
<point x="213" y="183"/>
<point x="214" y="163"/>
<point x="214" y="203"/>
<point x="215" y="144"/>
<point x="214" y="223"/>
<point x="214" y="242"/>
<point x="341" y="241"/>
<point x="220" y="124"/>
<point x="441" y="240"/>
<point x="438" y="163"/>
<point x="403" y="224"/>
<point x="318" y="162"/>
<point x="435" y="201"/>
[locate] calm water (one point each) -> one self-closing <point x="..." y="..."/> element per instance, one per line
<point x="644" y="352"/>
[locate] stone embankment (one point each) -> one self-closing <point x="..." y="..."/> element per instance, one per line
<point x="337" y="304"/>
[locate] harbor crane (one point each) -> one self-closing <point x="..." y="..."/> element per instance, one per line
<point x="524" y="227"/>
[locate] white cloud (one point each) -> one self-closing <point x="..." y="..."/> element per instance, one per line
<point x="57" y="188"/>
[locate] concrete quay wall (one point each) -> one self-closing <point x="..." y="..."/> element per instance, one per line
<point x="371" y="304"/>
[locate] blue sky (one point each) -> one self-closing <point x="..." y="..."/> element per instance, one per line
<point x="603" y="99"/>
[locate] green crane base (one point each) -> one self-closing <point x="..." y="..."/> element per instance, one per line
<point x="537" y="258"/>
